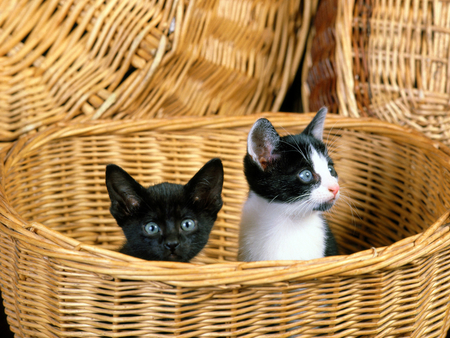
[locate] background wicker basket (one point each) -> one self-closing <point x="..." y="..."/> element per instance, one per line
<point x="59" y="278"/>
<point x="384" y="59"/>
<point x="80" y="60"/>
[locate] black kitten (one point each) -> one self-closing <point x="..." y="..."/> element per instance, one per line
<point x="167" y="221"/>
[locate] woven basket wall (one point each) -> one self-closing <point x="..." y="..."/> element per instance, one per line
<point x="75" y="60"/>
<point x="61" y="278"/>
<point x="384" y="59"/>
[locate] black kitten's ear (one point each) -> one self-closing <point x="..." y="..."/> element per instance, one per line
<point x="123" y="190"/>
<point x="205" y="188"/>
<point x="315" y="127"/>
<point x="262" y="142"/>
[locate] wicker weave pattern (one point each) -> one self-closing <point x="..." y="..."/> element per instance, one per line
<point x="60" y="279"/>
<point x="81" y="60"/>
<point x="389" y="60"/>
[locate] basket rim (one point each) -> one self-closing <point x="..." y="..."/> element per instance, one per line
<point x="55" y="245"/>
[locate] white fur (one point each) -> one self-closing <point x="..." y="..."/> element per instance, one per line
<point x="269" y="231"/>
<point x="286" y="231"/>
<point x="320" y="165"/>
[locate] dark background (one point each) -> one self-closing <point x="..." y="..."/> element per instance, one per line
<point x="4" y="327"/>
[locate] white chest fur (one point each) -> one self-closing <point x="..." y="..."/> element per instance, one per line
<point x="272" y="231"/>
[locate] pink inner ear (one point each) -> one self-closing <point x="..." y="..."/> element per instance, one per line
<point x="262" y="141"/>
<point x="263" y="162"/>
<point x="267" y="157"/>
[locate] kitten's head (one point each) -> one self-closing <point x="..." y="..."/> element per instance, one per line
<point x="168" y="222"/>
<point x="294" y="169"/>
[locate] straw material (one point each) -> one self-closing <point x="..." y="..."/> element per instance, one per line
<point x="384" y="59"/>
<point x="62" y="278"/>
<point x="75" y="60"/>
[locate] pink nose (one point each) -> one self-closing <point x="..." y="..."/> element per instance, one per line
<point x="334" y="189"/>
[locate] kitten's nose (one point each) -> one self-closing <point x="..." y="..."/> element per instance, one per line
<point x="171" y="245"/>
<point x="334" y="189"/>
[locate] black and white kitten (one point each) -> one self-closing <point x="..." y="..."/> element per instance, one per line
<point x="292" y="181"/>
<point x="167" y="221"/>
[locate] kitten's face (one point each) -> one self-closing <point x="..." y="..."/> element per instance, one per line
<point x="168" y="222"/>
<point x="293" y="169"/>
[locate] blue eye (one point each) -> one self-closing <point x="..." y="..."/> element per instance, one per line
<point x="332" y="171"/>
<point x="306" y="176"/>
<point x="151" y="228"/>
<point x="188" y="225"/>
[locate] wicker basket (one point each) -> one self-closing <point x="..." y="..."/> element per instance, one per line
<point x="60" y="278"/>
<point x="384" y="59"/>
<point x="80" y="60"/>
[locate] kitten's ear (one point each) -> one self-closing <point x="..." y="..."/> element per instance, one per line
<point x="262" y="142"/>
<point x="123" y="190"/>
<point x="315" y="127"/>
<point x="205" y="188"/>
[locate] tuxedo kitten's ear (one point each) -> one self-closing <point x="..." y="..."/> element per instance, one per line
<point x="315" y="127"/>
<point x="123" y="190"/>
<point x="262" y="142"/>
<point x="205" y="188"/>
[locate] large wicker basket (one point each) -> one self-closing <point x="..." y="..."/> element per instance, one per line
<point x="61" y="277"/>
<point x="73" y="60"/>
<point x="384" y="59"/>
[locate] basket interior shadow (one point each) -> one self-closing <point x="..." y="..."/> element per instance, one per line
<point x="58" y="239"/>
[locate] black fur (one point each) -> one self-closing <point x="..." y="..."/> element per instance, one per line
<point x="279" y="180"/>
<point x="167" y="205"/>
<point x="331" y="247"/>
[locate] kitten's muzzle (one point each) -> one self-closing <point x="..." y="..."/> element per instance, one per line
<point x="334" y="189"/>
<point x="325" y="206"/>
<point x="171" y="245"/>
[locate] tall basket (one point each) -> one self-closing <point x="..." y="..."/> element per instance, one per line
<point x="74" y="60"/>
<point x="384" y="59"/>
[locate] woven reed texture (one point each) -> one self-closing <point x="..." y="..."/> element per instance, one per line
<point x="74" y="60"/>
<point x="61" y="276"/>
<point x="384" y="59"/>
